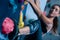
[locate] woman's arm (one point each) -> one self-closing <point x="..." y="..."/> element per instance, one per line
<point x="30" y="28"/>
<point x="38" y="3"/>
<point x="39" y="12"/>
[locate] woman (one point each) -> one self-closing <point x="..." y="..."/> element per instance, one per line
<point x="51" y="20"/>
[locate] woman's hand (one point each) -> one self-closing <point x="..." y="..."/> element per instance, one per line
<point x="24" y="31"/>
<point x="30" y="1"/>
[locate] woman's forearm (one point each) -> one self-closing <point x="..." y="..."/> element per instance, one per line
<point x="38" y="3"/>
<point x="39" y="12"/>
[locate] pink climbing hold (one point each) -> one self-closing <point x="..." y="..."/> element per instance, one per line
<point x="44" y="13"/>
<point x="7" y="25"/>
